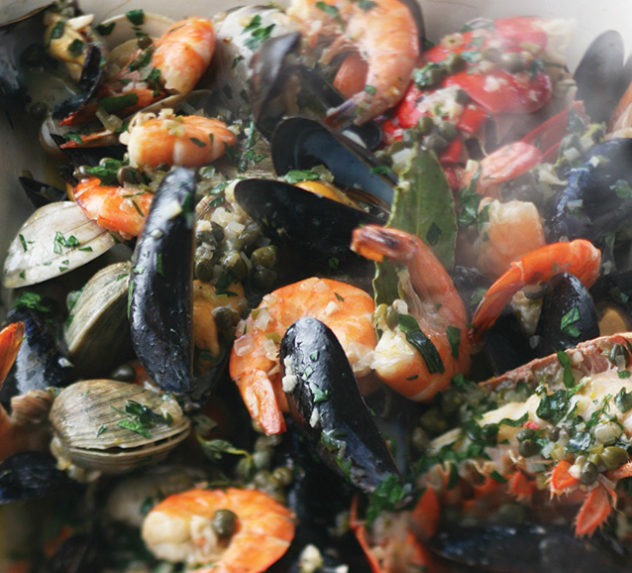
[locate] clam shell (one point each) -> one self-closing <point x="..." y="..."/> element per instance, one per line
<point x="16" y="10"/>
<point x="32" y="259"/>
<point x="97" y="331"/>
<point x="87" y="416"/>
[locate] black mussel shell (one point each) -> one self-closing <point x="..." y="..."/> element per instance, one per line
<point x="303" y="143"/>
<point x="507" y="345"/>
<point x="302" y="219"/>
<point x="328" y="409"/>
<point x="600" y="76"/>
<point x="161" y="292"/>
<point x="30" y="475"/>
<point x="528" y="548"/>
<point x="39" y="362"/>
<point x="597" y="200"/>
<point x="39" y="193"/>
<point x="616" y="289"/>
<point x="280" y="85"/>
<point x="91" y="77"/>
<point x="76" y="554"/>
<point x="568" y="315"/>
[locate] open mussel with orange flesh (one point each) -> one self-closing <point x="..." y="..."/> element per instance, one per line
<point x="328" y="409"/>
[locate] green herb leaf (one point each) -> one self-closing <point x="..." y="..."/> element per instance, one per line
<point x="565" y="361"/>
<point x="409" y="326"/>
<point x="215" y="449"/>
<point x="387" y="496"/>
<point x="105" y="29"/>
<point x="296" y="175"/>
<point x="134" y="426"/>
<point x="76" y="47"/>
<point x="454" y="338"/>
<point x="32" y="300"/>
<point x="567" y="323"/>
<point x="553" y="407"/>
<point x="136" y="17"/>
<point x="117" y="103"/>
<point x="330" y="10"/>
<point x="423" y="201"/>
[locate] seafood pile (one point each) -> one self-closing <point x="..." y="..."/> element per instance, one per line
<point x="304" y="291"/>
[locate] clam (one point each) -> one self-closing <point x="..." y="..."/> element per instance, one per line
<point x="55" y="239"/>
<point x="97" y="330"/>
<point x="17" y="10"/>
<point x="114" y="427"/>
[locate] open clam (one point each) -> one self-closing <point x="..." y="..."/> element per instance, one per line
<point x="56" y="239"/>
<point x="114" y="427"/>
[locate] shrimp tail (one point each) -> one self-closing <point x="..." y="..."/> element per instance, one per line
<point x="346" y="113"/>
<point x="260" y="398"/>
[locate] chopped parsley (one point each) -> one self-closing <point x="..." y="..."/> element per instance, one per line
<point x="409" y="326"/>
<point x="59" y="242"/>
<point x="105" y="29"/>
<point x="567" y="323"/>
<point x="31" y="300"/>
<point x="136" y="17"/>
<point x="330" y="11"/>
<point x="76" y="48"/>
<point x="258" y="33"/>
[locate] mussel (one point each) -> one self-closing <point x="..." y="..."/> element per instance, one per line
<point x="39" y="362"/>
<point x="325" y="402"/>
<point x="283" y="85"/>
<point x="597" y="200"/>
<point x="160" y="285"/>
<point x="113" y="427"/>
<point x="568" y="315"/>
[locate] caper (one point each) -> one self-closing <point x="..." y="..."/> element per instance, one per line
<point x="623" y="400"/>
<point x="81" y="172"/>
<point x="607" y="433"/>
<point x="264" y="278"/>
<point x="144" y="41"/>
<point x="435" y="142"/>
<point x="128" y="174"/>
<point x="38" y="110"/>
<point x="245" y="468"/>
<point x="433" y="422"/>
<point x="588" y="473"/>
<point x="451" y="402"/>
<point x="425" y="124"/>
<point x="528" y="448"/>
<point x="418" y="439"/>
<point x="224" y="522"/>
<point x="262" y="458"/>
<point x="461" y="97"/>
<point x="436" y="75"/>
<point x="250" y="234"/>
<point x="124" y="373"/>
<point x="596" y="460"/>
<point x="614" y="457"/>
<point x="262" y="479"/>
<point x="525" y="434"/>
<point x="619" y="355"/>
<point x="455" y="62"/>
<point x="236" y="265"/>
<point x="226" y="318"/>
<point x="513" y="61"/>
<point x="205" y="235"/>
<point x="264" y="256"/>
<point x="283" y="475"/>
<point x="204" y="263"/>
<point x="447" y="130"/>
<point x="218" y="231"/>
<point x="492" y="55"/>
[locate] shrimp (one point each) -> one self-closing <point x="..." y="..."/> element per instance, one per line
<point x="385" y="35"/>
<point x="437" y="308"/>
<point x="115" y="208"/>
<point x="167" y="139"/>
<point x="178" y="60"/>
<point x="579" y="257"/>
<point x="187" y="140"/>
<point x="182" y="528"/>
<point x="254" y="363"/>
<point x="510" y="231"/>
